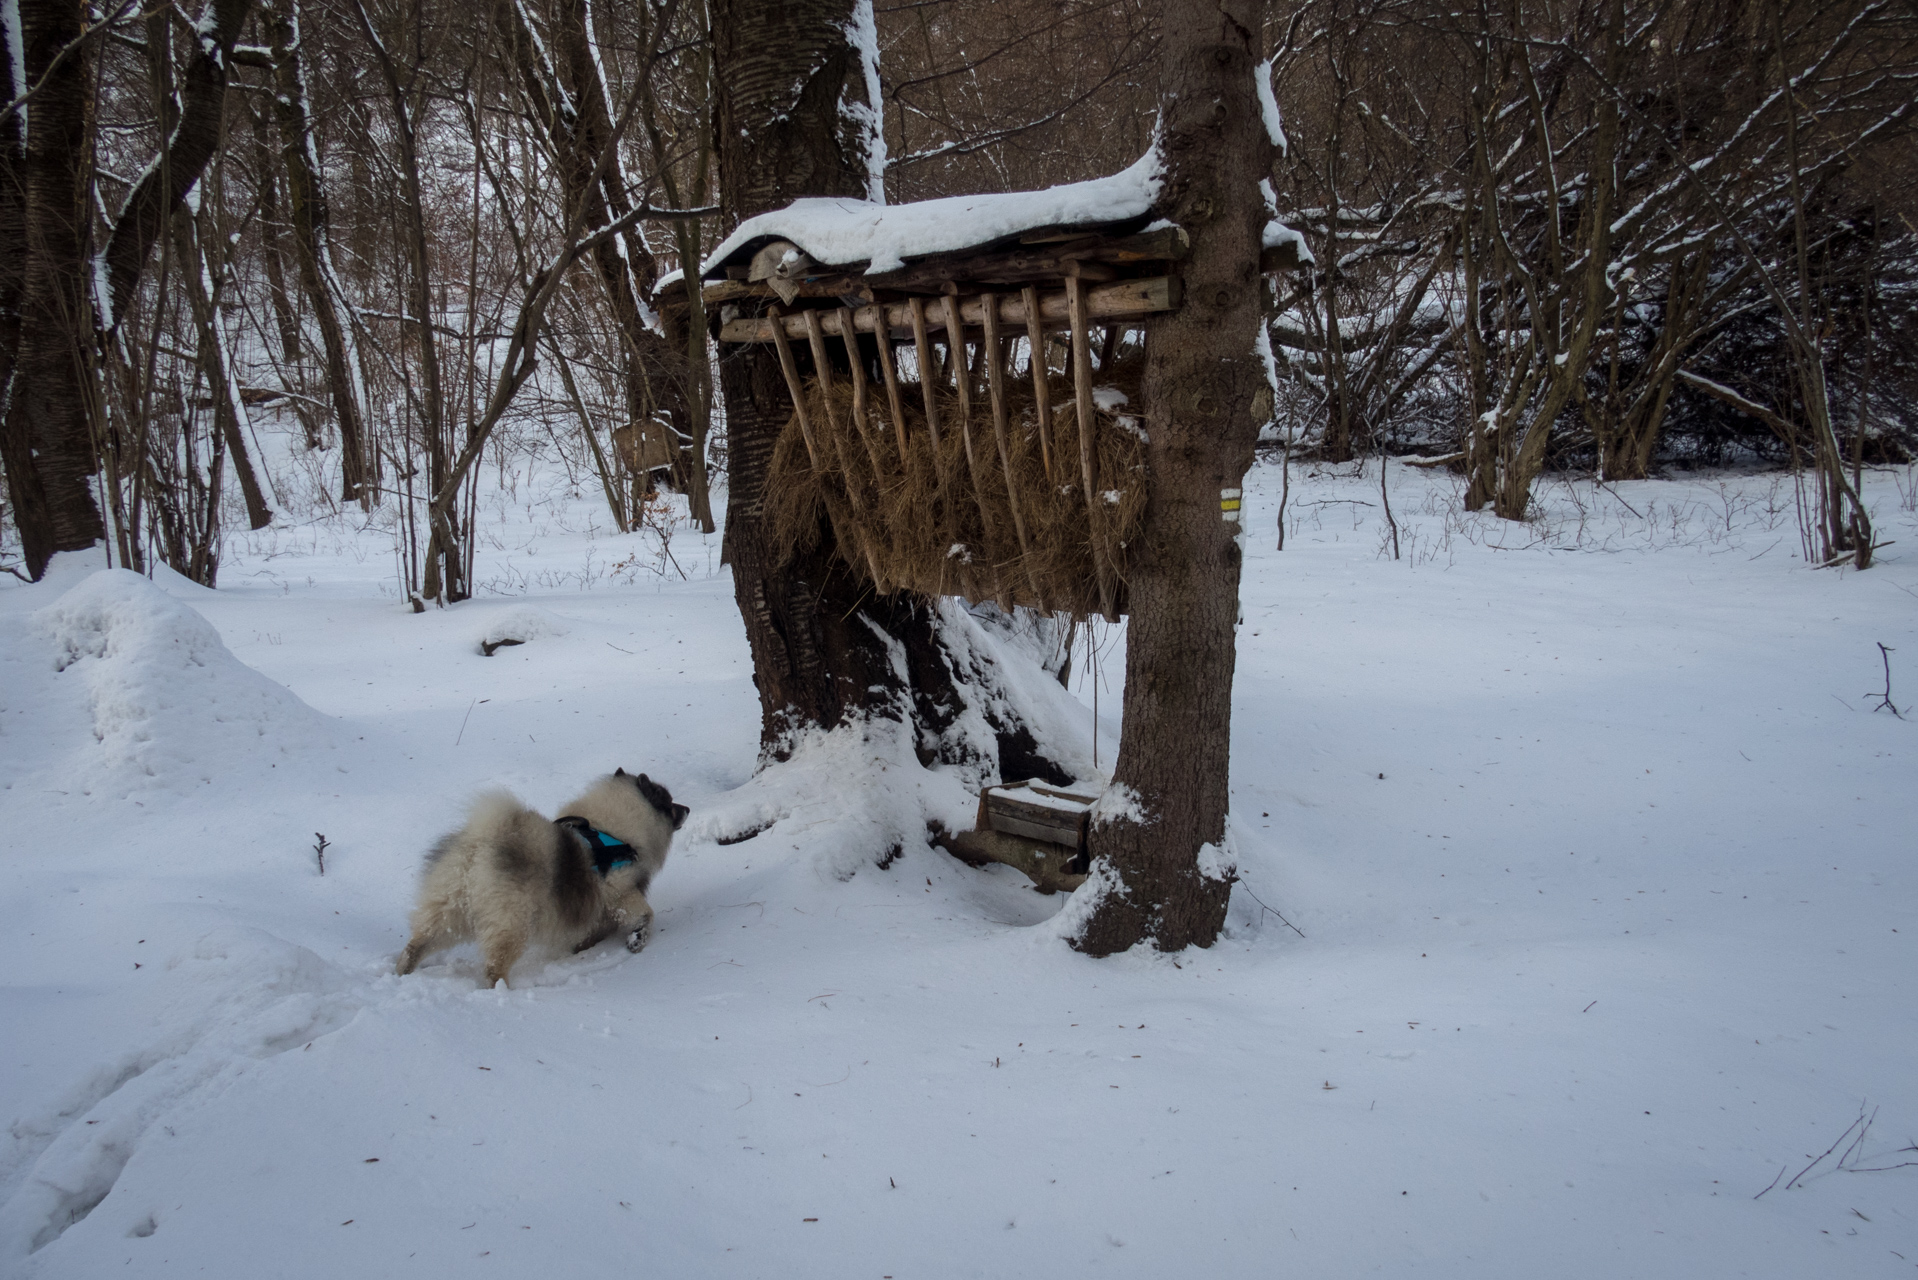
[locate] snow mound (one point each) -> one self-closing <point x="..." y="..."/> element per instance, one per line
<point x="517" y="624"/>
<point x="858" y="792"/>
<point x="171" y="707"/>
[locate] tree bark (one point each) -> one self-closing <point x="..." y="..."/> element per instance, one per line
<point x="1201" y="378"/>
<point x="444" y="579"/>
<point x="190" y="143"/>
<point x="572" y="103"/>
<point x="48" y="436"/>
<point x="13" y="258"/>
<point x="823" y="641"/>
<point x="309" y="217"/>
<point x="781" y="68"/>
<point x="202" y="277"/>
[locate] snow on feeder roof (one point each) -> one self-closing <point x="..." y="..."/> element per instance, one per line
<point x="907" y="247"/>
<point x="878" y="238"/>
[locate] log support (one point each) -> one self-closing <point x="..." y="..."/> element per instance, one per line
<point x="790" y="367"/>
<point x="1041" y="380"/>
<point x="1078" y="315"/>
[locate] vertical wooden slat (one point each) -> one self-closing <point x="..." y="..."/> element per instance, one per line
<point x="790" y="368"/>
<point x="849" y="334"/>
<point x="961" y="367"/>
<point x="880" y="331"/>
<point x="923" y="347"/>
<point x="816" y="336"/>
<point x="1082" y="386"/>
<point x="1041" y="385"/>
<point x="956" y="351"/>
<point x="995" y="354"/>
<point x="822" y="367"/>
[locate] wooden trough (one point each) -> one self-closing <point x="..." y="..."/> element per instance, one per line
<point x="1039" y="829"/>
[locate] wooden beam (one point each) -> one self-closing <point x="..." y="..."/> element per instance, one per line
<point x="1082" y="387"/>
<point x="822" y="367"/>
<point x="1117" y="300"/>
<point x="849" y="333"/>
<point x="789" y="367"/>
<point x="892" y="397"/>
<point x="916" y="315"/>
<point x="995" y="353"/>
<point x="860" y="408"/>
<point x="1041" y="382"/>
<point x="961" y="371"/>
<point x="1031" y="262"/>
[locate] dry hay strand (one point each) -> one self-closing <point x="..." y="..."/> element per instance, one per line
<point x="932" y="523"/>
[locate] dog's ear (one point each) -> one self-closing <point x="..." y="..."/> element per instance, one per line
<point x="679" y="816"/>
<point x="619" y="773"/>
<point x="645" y="781"/>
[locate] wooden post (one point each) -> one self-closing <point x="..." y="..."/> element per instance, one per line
<point x="790" y="368"/>
<point x="849" y="334"/>
<point x="816" y="336"/>
<point x="1110" y="347"/>
<point x="892" y="383"/>
<point x="961" y="371"/>
<point x="923" y="348"/>
<point x="995" y="353"/>
<point x="962" y="381"/>
<point x="1082" y="385"/>
<point x="1041" y="384"/>
<point x="822" y="368"/>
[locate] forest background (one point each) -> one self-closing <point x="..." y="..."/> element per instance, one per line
<point x="417" y="237"/>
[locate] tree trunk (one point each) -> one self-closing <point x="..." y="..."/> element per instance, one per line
<point x="48" y="436"/>
<point x="281" y="21"/>
<point x="13" y="257"/>
<point x="191" y="140"/>
<point x="572" y="103"/>
<point x="1200" y="381"/>
<point x="823" y="641"/>
<point x="202" y="278"/>
<point x="781" y="68"/>
<point x="444" y="578"/>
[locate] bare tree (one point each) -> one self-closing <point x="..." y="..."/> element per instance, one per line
<point x="1170" y="790"/>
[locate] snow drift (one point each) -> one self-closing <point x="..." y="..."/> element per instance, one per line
<point x="169" y="707"/>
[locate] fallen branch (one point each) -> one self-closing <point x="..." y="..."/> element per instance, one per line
<point x="1443" y="460"/>
<point x="1240" y="881"/>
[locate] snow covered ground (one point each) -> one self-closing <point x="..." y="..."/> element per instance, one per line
<point x="1600" y="862"/>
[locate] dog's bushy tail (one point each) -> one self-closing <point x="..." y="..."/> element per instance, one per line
<point x="494" y="812"/>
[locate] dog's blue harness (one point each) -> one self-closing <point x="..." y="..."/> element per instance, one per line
<point x="608" y="854"/>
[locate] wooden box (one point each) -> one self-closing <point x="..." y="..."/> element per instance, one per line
<point x="1036" y="828"/>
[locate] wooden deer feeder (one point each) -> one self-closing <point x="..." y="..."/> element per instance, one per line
<point x="961" y="377"/>
<point x="965" y="398"/>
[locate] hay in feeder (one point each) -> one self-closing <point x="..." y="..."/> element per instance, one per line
<point x="938" y="522"/>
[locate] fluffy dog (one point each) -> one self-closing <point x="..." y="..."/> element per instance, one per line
<point x="510" y="878"/>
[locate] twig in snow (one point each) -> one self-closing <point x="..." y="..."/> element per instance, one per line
<point x="1861" y="1120"/>
<point x="1886" y="1168"/>
<point x="1628" y="506"/>
<point x="1884" y="699"/>
<point x="468" y="716"/>
<point x="319" y="851"/>
<point x="1240" y="881"/>
<point x="1773" y="1182"/>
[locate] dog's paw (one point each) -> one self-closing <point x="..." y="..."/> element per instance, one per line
<point x="638" y="938"/>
